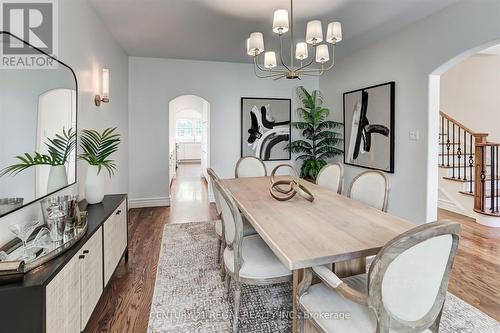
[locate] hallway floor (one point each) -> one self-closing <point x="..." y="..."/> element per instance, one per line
<point x="189" y="195"/>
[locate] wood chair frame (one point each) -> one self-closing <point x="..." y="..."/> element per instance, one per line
<point x="247" y="157"/>
<point x="341" y="177"/>
<point x="374" y="301"/>
<point x="385" y="204"/>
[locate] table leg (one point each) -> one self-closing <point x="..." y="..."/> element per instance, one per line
<point x="297" y="276"/>
<point x="350" y="267"/>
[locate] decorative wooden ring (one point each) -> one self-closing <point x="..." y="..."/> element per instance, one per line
<point x="285" y="196"/>
<point x="290" y="183"/>
<point x="304" y="192"/>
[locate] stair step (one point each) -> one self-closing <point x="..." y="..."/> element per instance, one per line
<point x="488" y="179"/>
<point x="488" y="196"/>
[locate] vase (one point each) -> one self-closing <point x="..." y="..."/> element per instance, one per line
<point x="94" y="185"/>
<point x="57" y="178"/>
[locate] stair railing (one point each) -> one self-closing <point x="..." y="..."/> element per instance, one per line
<point x="472" y="159"/>
<point x="486" y="197"/>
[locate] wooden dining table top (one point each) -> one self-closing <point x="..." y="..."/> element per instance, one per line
<point x="303" y="234"/>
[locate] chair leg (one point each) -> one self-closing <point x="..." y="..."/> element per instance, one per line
<point x="237" y="301"/>
<point x="219" y="251"/>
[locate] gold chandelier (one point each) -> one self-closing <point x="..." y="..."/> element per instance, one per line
<point x="298" y="66"/>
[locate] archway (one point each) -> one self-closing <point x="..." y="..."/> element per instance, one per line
<point x="434" y="122"/>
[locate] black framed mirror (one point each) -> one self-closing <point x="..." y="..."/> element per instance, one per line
<point x="38" y="125"/>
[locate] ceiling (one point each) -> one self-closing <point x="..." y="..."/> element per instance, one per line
<point x="217" y="29"/>
<point x="493" y="50"/>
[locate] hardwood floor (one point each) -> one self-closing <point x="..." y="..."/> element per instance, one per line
<point x="476" y="272"/>
<point x="126" y="302"/>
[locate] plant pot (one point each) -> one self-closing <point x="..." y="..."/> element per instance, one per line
<point x="94" y="185"/>
<point x="57" y="178"/>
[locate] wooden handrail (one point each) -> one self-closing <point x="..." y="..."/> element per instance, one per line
<point x="459" y="124"/>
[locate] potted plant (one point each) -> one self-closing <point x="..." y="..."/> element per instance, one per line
<point x="319" y="142"/>
<point x="97" y="148"/>
<point x="58" y="152"/>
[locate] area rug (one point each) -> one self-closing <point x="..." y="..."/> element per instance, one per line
<point x="189" y="295"/>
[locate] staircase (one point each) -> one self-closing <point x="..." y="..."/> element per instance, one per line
<point x="469" y="178"/>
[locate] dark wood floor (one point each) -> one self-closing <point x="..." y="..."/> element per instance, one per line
<point x="126" y="302"/>
<point x="476" y="272"/>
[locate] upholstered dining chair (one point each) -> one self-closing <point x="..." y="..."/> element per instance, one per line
<point x="331" y="176"/>
<point x="250" y="166"/>
<point x="247" y="259"/>
<point x="403" y="292"/>
<point x="219" y="226"/>
<point x="371" y="188"/>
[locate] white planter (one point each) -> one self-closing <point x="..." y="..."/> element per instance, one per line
<point x="57" y="178"/>
<point x="94" y="185"/>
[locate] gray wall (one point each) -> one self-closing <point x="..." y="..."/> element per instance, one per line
<point x="408" y="58"/>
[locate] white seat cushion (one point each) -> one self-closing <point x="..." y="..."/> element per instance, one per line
<point x="336" y="314"/>
<point x="218" y="228"/>
<point x="259" y="262"/>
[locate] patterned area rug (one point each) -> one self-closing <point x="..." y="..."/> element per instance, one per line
<point x="190" y="297"/>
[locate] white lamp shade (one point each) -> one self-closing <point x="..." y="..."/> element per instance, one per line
<point x="280" y="21"/>
<point x="322" y="54"/>
<point x="301" y="51"/>
<point x="269" y="60"/>
<point x="249" y="51"/>
<point x="334" y="32"/>
<point x="314" y="32"/>
<point x="256" y="43"/>
<point x="105" y="83"/>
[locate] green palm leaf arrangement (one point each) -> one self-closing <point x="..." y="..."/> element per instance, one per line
<point x="58" y="152"/>
<point x="97" y="147"/>
<point x="319" y="141"/>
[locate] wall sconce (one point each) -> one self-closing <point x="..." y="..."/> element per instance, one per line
<point x="104" y="98"/>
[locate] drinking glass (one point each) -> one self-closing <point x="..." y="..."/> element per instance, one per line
<point x="23" y="232"/>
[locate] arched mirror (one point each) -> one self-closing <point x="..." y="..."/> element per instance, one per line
<point x="38" y="125"/>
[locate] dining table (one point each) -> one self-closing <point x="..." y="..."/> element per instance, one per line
<point x="332" y="229"/>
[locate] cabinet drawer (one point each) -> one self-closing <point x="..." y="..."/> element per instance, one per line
<point x="62" y="300"/>
<point x="115" y="240"/>
<point x="91" y="276"/>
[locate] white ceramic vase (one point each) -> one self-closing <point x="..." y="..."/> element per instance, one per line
<point x="94" y="185"/>
<point x="57" y="178"/>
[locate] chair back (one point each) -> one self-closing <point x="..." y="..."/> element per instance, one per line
<point x="371" y="188"/>
<point x="250" y="166"/>
<point x="409" y="277"/>
<point x="331" y="177"/>
<point x="233" y="224"/>
<point x="213" y="177"/>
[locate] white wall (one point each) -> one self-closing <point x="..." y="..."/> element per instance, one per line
<point x="409" y="57"/>
<point x="470" y="93"/>
<point x="155" y="82"/>
<point x="87" y="47"/>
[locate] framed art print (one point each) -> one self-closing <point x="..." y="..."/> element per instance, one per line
<point x="369" y="127"/>
<point x="265" y="128"/>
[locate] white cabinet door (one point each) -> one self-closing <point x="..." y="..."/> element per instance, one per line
<point x="91" y="277"/>
<point x="115" y="240"/>
<point x="63" y="299"/>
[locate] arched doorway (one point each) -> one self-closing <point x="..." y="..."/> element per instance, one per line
<point x="437" y="192"/>
<point x="189" y="157"/>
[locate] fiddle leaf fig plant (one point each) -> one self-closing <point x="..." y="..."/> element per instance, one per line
<point x="319" y="141"/>
<point x="97" y="147"/>
<point x="59" y="149"/>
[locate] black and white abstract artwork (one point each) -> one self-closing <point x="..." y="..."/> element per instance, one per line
<point x="369" y="127"/>
<point x="265" y="128"/>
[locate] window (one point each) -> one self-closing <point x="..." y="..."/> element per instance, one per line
<point x="189" y="130"/>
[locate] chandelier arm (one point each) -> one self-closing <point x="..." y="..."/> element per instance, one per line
<point x="322" y="70"/>
<point x="310" y="62"/>
<point x="265" y="70"/>
<point x="266" y="76"/>
<point x="281" y="53"/>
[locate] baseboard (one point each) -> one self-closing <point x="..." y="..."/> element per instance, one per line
<point x="149" y="202"/>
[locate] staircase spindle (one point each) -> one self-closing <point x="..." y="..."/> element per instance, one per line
<point x="482" y="177"/>
<point x="471" y="164"/>
<point x="493" y="179"/>
<point x="441" y="140"/>
<point x="459" y="154"/>
<point x="465" y="155"/>
<point x="497" y="178"/>
<point x="453" y="152"/>
<point x="447" y="142"/>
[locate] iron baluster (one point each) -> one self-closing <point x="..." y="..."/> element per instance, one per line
<point x="448" y="143"/>
<point x="483" y="179"/>
<point x="496" y="177"/>
<point x="493" y="180"/>
<point x="465" y="155"/>
<point x="441" y="138"/>
<point x="471" y="164"/>
<point x="459" y="154"/>
<point x="453" y="152"/>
